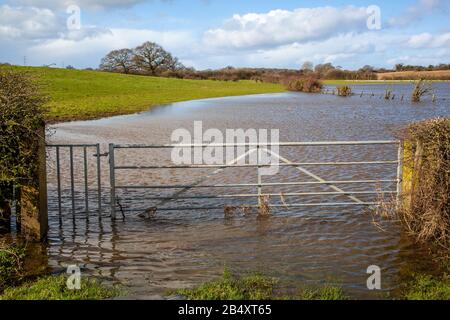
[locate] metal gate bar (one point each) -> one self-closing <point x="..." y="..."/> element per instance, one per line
<point x="280" y="144"/>
<point x="85" y="162"/>
<point x="259" y="184"/>
<point x="256" y="185"/>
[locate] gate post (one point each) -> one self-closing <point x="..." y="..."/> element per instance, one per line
<point x="400" y="174"/>
<point x="112" y="181"/>
<point x="5" y="209"/>
<point x="33" y="197"/>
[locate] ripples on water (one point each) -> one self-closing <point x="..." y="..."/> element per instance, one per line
<point x="184" y="248"/>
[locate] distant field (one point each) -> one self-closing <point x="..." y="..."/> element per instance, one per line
<point x="79" y="94"/>
<point x="414" y="75"/>
<point x="360" y="82"/>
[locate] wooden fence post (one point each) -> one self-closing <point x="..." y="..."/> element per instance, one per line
<point x="411" y="171"/>
<point x="33" y="198"/>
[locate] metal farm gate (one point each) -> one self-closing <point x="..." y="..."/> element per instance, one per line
<point x="88" y="167"/>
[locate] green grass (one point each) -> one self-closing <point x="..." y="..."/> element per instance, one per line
<point x="254" y="287"/>
<point x="55" y="288"/>
<point x="426" y="287"/>
<point x="77" y="94"/>
<point x="229" y="287"/>
<point x="323" y="293"/>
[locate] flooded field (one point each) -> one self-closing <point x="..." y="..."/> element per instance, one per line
<point x="300" y="246"/>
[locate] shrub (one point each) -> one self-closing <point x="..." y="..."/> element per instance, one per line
<point x="427" y="213"/>
<point x="21" y="118"/>
<point x="387" y="94"/>
<point x="421" y="88"/>
<point x="344" y="91"/>
<point x="11" y="263"/>
<point x="308" y="84"/>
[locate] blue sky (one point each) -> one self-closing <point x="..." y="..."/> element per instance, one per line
<point x="214" y="33"/>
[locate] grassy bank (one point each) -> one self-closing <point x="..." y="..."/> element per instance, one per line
<point x="427" y="287"/>
<point x="16" y="284"/>
<point x="77" y="94"/>
<point x="255" y="287"/>
<point x="55" y="288"/>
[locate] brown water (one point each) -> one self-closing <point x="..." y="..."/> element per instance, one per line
<point x="183" y="248"/>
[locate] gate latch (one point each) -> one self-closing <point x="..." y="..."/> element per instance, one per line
<point x="101" y="154"/>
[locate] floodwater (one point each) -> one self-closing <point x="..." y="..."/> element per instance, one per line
<point x="307" y="245"/>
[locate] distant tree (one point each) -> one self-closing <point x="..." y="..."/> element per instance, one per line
<point x="150" y="58"/>
<point x="307" y="66"/>
<point x="69" y="67"/>
<point x="399" y="67"/>
<point x="118" y="61"/>
<point x="367" y="68"/>
<point x="321" y="69"/>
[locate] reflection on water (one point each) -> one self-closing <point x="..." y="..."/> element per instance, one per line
<point x="182" y="248"/>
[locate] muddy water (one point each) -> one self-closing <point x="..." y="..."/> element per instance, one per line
<point x="183" y="248"/>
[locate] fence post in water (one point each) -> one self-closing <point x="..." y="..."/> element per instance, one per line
<point x="33" y="199"/>
<point x="258" y="150"/>
<point x="400" y="173"/>
<point x="112" y="181"/>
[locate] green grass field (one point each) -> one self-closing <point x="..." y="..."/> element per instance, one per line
<point x="79" y="94"/>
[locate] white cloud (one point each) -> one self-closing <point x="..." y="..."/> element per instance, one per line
<point x="280" y="27"/>
<point x="74" y="51"/>
<point x="27" y="23"/>
<point x="427" y="40"/>
<point x="425" y="58"/>
<point x="350" y="50"/>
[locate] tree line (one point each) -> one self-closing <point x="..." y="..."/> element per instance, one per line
<point x="402" y="67"/>
<point x="153" y="60"/>
<point x="147" y="59"/>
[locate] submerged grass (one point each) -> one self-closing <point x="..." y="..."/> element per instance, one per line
<point x="255" y="287"/>
<point x="55" y="288"/>
<point x="81" y="94"/>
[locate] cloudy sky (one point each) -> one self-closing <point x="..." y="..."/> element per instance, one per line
<point x="217" y="33"/>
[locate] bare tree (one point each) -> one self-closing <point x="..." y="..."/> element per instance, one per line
<point x="307" y="66"/>
<point x="150" y="58"/>
<point x="118" y="61"/>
